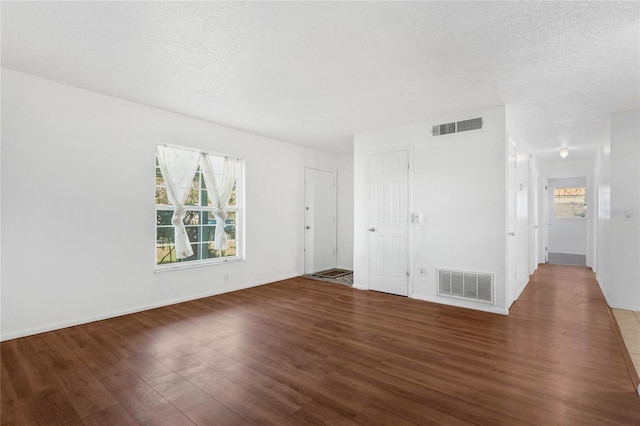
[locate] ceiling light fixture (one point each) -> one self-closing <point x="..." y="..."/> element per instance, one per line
<point x="564" y="152"/>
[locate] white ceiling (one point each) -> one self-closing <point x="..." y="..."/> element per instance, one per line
<point x="315" y="73"/>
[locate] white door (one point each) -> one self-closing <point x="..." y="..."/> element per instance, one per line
<point x="544" y="217"/>
<point x="535" y="208"/>
<point x="389" y="222"/>
<point x="512" y="195"/>
<point x="320" y="220"/>
<point x="567" y="235"/>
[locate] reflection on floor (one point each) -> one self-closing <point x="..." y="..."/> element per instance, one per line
<point x="629" y="324"/>
<point x="567" y="259"/>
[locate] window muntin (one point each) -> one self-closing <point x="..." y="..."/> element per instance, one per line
<point x="570" y="202"/>
<point x="199" y="221"/>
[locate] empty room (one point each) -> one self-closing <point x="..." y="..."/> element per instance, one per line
<point x="307" y="213"/>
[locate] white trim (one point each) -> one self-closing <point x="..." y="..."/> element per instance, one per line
<point x="622" y="306"/>
<point x="359" y="287"/>
<point x="201" y="151"/>
<point x="520" y="290"/>
<point x="604" y="293"/>
<point x="456" y="303"/>
<point x="164" y="267"/>
<point x="85" y="320"/>
<point x="334" y="172"/>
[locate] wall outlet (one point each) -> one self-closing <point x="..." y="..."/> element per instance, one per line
<point x="424" y="271"/>
<point x="226" y="277"/>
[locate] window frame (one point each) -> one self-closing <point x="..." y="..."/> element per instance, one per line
<point x="238" y="209"/>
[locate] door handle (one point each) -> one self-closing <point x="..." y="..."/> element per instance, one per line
<point x="372" y="229"/>
<point x="307" y="227"/>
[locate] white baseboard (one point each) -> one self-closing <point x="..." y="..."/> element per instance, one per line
<point x="519" y="292"/>
<point x="359" y="287"/>
<point x="112" y="314"/>
<point x="462" y="304"/>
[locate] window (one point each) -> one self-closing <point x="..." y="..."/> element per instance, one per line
<point x="570" y="202"/>
<point x="210" y="219"/>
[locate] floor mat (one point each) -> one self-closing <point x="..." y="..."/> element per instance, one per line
<point x="332" y="273"/>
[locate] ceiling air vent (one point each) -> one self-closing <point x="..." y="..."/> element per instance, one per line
<point x="460" y="126"/>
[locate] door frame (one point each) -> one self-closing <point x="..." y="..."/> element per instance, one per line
<point x="304" y="216"/>
<point x="543" y="196"/>
<point x="511" y="243"/>
<point x="409" y="150"/>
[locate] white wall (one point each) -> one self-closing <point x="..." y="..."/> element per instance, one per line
<point x="602" y="173"/>
<point x="345" y="211"/>
<point x="78" y="207"/>
<point x="625" y="210"/>
<point x="459" y="186"/>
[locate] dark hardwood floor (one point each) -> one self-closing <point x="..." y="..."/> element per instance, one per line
<point x="301" y="351"/>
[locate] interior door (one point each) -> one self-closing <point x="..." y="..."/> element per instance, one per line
<point x="512" y="195"/>
<point x="536" y="222"/>
<point x="320" y="220"/>
<point x="389" y="222"/>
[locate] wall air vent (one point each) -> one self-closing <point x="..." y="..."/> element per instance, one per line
<point x="476" y="286"/>
<point x="457" y="127"/>
<point x="443" y="129"/>
<point x="466" y="125"/>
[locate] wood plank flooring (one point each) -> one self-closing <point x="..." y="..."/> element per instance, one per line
<point x="305" y="352"/>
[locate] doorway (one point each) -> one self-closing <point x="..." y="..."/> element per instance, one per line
<point x="389" y="222"/>
<point x="567" y="221"/>
<point x="320" y="235"/>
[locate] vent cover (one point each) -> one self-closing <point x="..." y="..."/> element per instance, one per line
<point x="476" y="286"/>
<point x="443" y="129"/>
<point x="466" y="125"/>
<point x="457" y="127"/>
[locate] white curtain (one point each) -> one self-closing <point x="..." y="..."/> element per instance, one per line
<point x="178" y="167"/>
<point x="219" y="176"/>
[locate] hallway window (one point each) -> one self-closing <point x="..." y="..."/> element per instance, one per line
<point x="570" y="202"/>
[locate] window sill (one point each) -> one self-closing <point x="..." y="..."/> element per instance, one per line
<point x="195" y="264"/>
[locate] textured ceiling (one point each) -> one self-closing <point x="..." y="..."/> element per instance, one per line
<point x="315" y="73"/>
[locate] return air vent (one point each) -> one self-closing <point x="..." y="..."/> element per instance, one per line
<point x="466" y="125"/>
<point x="443" y="129"/>
<point x="457" y="127"/>
<point x="476" y="286"/>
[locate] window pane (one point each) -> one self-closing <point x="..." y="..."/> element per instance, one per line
<point x="570" y="202"/>
<point x="210" y="218"/>
<point x="232" y="198"/>
<point x="165" y="235"/>
<point x="208" y="252"/>
<point x="193" y="232"/>
<point x="161" y="196"/>
<point x="165" y="254"/>
<point x="192" y="218"/>
<point x="231" y="218"/>
<point x="208" y="233"/>
<point x="163" y="217"/>
<point x="230" y="230"/>
<point x="231" y="250"/>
